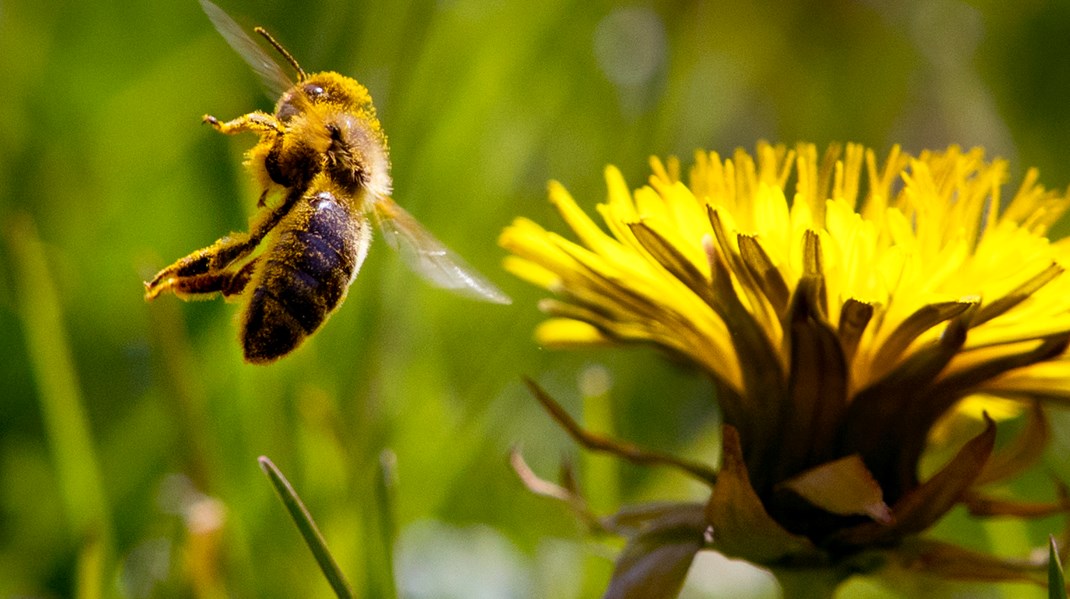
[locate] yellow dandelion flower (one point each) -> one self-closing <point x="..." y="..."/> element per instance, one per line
<point x="839" y="326"/>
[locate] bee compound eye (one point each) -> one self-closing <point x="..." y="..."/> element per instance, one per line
<point x="314" y="91"/>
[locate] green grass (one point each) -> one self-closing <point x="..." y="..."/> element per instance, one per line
<point x="106" y="175"/>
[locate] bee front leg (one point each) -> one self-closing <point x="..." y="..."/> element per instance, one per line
<point x="257" y="122"/>
<point x="270" y="130"/>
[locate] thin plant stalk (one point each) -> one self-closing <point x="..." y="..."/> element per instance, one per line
<point x="381" y="560"/>
<point x="307" y="527"/>
<point x="62" y="405"/>
<point x="1056" y="581"/>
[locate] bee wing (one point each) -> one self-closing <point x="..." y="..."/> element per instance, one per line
<point x="428" y="257"/>
<point x="270" y="73"/>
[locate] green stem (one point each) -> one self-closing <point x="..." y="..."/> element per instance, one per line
<point x="381" y="559"/>
<point x="308" y="529"/>
<point x="1056" y="580"/>
<point x="66" y="423"/>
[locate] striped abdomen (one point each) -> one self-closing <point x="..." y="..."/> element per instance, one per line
<point x="303" y="276"/>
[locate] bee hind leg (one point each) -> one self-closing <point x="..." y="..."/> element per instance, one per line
<point x="239" y="280"/>
<point x="229" y="283"/>
<point x="215" y="260"/>
<point x="197" y="269"/>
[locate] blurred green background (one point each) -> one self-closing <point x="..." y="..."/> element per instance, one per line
<point x="129" y="432"/>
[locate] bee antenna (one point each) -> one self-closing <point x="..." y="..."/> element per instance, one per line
<point x="285" y="54"/>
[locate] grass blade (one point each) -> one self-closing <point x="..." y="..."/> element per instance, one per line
<point x="381" y="558"/>
<point x="62" y="405"/>
<point x="307" y="528"/>
<point x="1056" y="581"/>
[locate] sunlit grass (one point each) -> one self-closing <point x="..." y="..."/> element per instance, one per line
<point x="106" y="172"/>
<point x="307" y="527"/>
<point x="87" y="509"/>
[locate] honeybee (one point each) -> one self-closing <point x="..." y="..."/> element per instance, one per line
<point x="322" y="163"/>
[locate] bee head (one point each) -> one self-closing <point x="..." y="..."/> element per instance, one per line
<point x="319" y="89"/>
<point x="324" y="90"/>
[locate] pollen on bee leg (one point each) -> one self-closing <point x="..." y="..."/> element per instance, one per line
<point x="256" y="121"/>
<point x="154" y="288"/>
<point x="228" y="283"/>
<point x="239" y="280"/>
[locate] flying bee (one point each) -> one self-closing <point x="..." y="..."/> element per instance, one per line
<point x="322" y="162"/>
